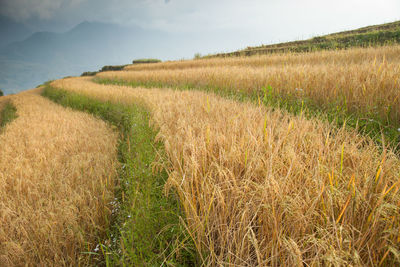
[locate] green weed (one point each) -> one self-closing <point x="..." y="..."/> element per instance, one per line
<point x="8" y="114"/>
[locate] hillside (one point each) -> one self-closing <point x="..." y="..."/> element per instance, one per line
<point x="281" y="159"/>
<point x="388" y="33"/>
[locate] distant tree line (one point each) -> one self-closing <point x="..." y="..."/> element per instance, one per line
<point x="105" y="68"/>
<point x="145" y="61"/>
<point x="120" y="67"/>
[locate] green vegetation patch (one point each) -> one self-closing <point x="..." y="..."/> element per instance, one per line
<point x="112" y="68"/>
<point x="145" y="228"/>
<point x="7" y="114"/>
<point x="89" y="73"/>
<point x="381" y="130"/>
<point x="376" y="35"/>
<point x="104" y="68"/>
<point x="145" y="60"/>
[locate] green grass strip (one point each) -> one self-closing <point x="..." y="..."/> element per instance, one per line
<point x="145" y="228"/>
<point x="8" y="114"/>
<point x="381" y="130"/>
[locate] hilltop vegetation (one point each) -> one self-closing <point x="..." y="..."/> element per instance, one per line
<point x="145" y="61"/>
<point x="120" y="67"/>
<point x="376" y="35"/>
<point x="104" y="68"/>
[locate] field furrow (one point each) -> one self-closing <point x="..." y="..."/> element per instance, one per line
<point x="263" y="187"/>
<point x="57" y="170"/>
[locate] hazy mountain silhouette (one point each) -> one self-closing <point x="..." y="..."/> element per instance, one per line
<point x="88" y="46"/>
<point x="11" y="31"/>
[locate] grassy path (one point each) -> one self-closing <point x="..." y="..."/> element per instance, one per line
<point x="145" y="227"/>
<point x="263" y="187"/>
<point x="56" y="176"/>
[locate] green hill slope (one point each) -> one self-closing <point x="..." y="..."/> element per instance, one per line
<point x="383" y="34"/>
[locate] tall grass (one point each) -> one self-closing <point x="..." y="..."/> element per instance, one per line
<point x="342" y="57"/>
<point x="263" y="187"/>
<point x="56" y="178"/>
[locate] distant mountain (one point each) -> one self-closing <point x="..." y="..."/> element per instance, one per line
<point x="87" y="41"/>
<point x="11" y="31"/>
<point x="88" y="46"/>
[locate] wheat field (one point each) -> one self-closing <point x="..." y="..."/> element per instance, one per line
<point x="263" y="187"/>
<point x="362" y="81"/>
<point x="57" y="170"/>
<point x="353" y="56"/>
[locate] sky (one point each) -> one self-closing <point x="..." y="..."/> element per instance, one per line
<point x="255" y="21"/>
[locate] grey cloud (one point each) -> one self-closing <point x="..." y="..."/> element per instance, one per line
<point x="25" y="9"/>
<point x="264" y="21"/>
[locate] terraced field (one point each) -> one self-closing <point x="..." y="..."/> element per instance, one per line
<point x="359" y="86"/>
<point x="57" y="169"/>
<point x="264" y="187"/>
<point x="279" y="160"/>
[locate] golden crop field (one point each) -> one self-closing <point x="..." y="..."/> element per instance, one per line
<point x="362" y="81"/>
<point x="263" y="187"/>
<point x="57" y="170"/>
<point x="354" y="55"/>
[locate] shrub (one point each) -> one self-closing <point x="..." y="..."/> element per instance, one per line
<point x="145" y="60"/>
<point x="89" y="73"/>
<point x="197" y="56"/>
<point x="112" y="67"/>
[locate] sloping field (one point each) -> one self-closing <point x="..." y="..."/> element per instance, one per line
<point x="354" y="56"/>
<point x="57" y="169"/>
<point x="374" y="35"/>
<point x="363" y="84"/>
<point x="262" y="187"/>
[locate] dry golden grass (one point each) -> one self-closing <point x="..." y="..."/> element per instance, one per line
<point x="262" y="187"/>
<point x="360" y="80"/>
<point x="56" y="175"/>
<point x="354" y="56"/>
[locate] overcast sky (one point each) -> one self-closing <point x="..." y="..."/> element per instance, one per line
<point x="258" y="21"/>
